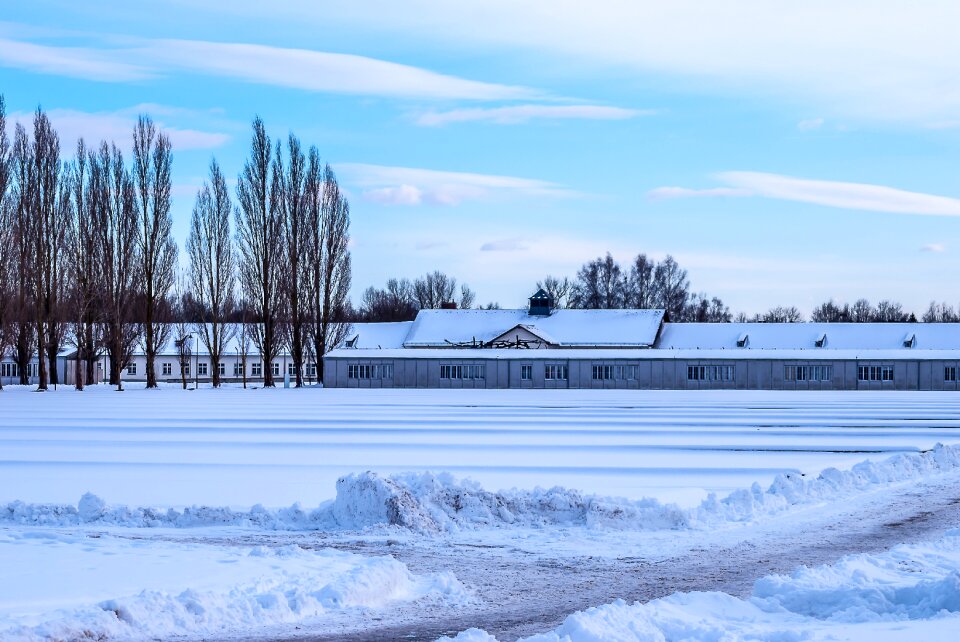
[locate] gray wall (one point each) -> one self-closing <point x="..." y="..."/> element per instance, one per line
<point x="652" y="374"/>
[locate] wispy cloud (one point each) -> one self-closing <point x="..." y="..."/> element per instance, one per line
<point x="853" y="196"/>
<point x="933" y="247"/>
<point x="74" y="62"/>
<point x="413" y="186"/>
<point x="518" y="114"/>
<point x="810" y="125"/>
<point x="664" y="193"/>
<point x="505" y="245"/>
<point x="117" y="126"/>
<point x="304" y="69"/>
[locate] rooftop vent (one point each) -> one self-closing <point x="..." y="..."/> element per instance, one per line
<point x="352" y="343"/>
<point x="743" y="340"/>
<point x="821" y="340"/>
<point x="541" y="304"/>
<point x="910" y="340"/>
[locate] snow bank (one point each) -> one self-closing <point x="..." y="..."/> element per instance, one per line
<point x="910" y="592"/>
<point x="187" y="589"/>
<point x="427" y="502"/>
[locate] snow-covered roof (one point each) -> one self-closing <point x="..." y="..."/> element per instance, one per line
<point x="364" y="336"/>
<point x="904" y="337"/>
<point x="562" y="328"/>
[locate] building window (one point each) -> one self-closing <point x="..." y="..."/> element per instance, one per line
<point x="237" y="368"/>
<point x="222" y="369"/>
<point x="808" y="373"/>
<point x="256" y="369"/>
<point x="291" y="369"/>
<point x="950" y="373"/>
<point x="276" y="369"/>
<point x="359" y="371"/>
<point x="8" y="369"/>
<point x="185" y="369"/>
<point x="386" y="370"/>
<point x="875" y="373"/>
<point x="526" y="372"/>
<point x="448" y="371"/>
<point x="132" y="369"/>
<point x="167" y="369"/>
<point x="601" y="373"/>
<point x="33" y="370"/>
<point x="312" y="370"/>
<point x="625" y="372"/>
<point x="711" y="373"/>
<point x="555" y="372"/>
<point x="202" y="369"/>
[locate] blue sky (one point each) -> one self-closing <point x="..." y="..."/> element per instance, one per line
<point x="783" y="154"/>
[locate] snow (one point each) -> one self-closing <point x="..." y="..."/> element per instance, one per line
<point x="568" y="328"/>
<point x="68" y="586"/>
<point x="909" y="592"/>
<point x="857" y="337"/>
<point x="367" y="336"/>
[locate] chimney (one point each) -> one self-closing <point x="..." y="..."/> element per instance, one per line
<point x="448" y="305"/>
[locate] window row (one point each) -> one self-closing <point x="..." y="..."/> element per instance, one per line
<point x="370" y="371"/>
<point x="203" y="369"/>
<point x="808" y="373"/>
<point x="711" y="373"/>
<point x="10" y="369"/>
<point x="555" y="372"/>
<point x="874" y="373"/>
<point x="463" y="372"/>
<point x="950" y="373"/>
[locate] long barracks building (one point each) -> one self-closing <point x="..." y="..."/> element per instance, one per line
<point x="636" y="349"/>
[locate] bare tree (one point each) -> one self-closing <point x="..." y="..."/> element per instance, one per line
<point x="212" y="266"/>
<point x="115" y="212"/>
<point x="330" y="268"/>
<point x="6" y="238"/>
<point x="830" y="312"/>
<point x="182" y="336"/>
<point x="861" y="312"/>
<point x="395" y="302"/>
<point x="780" y="314"/>
<point x="889" y="312"/>
<point x="294" y="202"/>
<point x="640" y="291"/>
<point x="558" y="289"/>
<point x="152" y="159"/>
<point x="260" y="238"/>
<point x="671" y="287"/>
<point x="600" y="285"/>
<point x="940" y="313"/>
<point x="22" y="260"/>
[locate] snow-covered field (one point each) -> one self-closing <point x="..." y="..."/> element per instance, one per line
<point x="278" y="513"/>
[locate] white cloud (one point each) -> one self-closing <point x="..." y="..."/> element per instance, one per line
<point x="853" y="196"/>
<point x="664" y="193"/>
<point x="74" y="62"/>
<point x="933" y="247"/>
<point x="505" y="245"/>
<point x="412" y="186"/>
<point x="517" y="114"/>
<point x="810" y="125"/>
<point x="117" y="126"/>
<point x="876" y="59"/>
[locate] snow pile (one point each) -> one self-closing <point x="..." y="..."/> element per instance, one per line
<point x="910" y="592"/>
<point x="427" y="502"/>
<point x="182" y="589"/>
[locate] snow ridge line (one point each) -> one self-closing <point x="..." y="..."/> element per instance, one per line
<point x="433" y="503"/>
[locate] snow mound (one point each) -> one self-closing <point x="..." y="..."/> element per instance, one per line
<point x="858" y="597"/>
<point x="261" y="586"/>
<point x="433" y="503"/>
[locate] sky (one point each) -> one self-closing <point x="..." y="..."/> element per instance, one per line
<point x="783" y="153"/>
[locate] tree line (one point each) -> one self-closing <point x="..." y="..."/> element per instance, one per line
<point x="88" y="259"/>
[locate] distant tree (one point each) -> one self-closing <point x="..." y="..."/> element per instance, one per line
<point x="182" y="335"/>
<point x="781" y="314"/>
<point x="6" y="239"/>
<point x="861" y="311"/>
<point x="259" y="239"/>
<point x="700" y="309"/>
<point x="940" y="313"/>
<point x="741" y="317"/>
<point x="21" y="265"/>
<point x="436" y="288"/>
<point x="493" y="305"/>
<point x="152" y="160"/>
<point x="830" y="312"/>
<point x="600" y="285"/>
<point x="671" y="287"/>
<point x="640" y="289"/>
<point x="558" y="289"/>
<point x="890" y="312"/>
<point x="212" y="266"/>
<point x="395" y="302"/>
